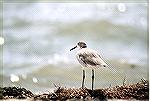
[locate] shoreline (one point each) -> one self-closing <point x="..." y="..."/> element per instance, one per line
<point x="137" y="91"/>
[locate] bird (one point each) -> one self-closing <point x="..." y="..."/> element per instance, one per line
<point x="88" y="58"/>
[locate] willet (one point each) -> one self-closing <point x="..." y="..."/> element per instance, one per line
<point x="88" y="58"/>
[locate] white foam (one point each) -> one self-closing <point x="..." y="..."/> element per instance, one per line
<point x="35" y="80"/>
<point x="1" y="41"/>
<point x="14" y="78"/>
<point x="122" y="7"/>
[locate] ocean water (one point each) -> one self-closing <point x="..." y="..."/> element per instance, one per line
<point x="38" y="37"/>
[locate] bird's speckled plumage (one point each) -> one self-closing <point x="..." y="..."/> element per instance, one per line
<point x="90" y="58"/>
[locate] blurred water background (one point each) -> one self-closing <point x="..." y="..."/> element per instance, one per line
<point x="38" y="37"/>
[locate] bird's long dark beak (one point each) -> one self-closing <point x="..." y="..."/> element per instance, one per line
<point x="73" y="48"/>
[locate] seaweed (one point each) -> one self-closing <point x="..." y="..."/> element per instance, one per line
<point x="138" y="91"/>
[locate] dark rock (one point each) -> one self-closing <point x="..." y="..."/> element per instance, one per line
<point x="16" y="92"/>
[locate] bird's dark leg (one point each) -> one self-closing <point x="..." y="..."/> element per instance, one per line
<point x="92" y="78"/>
<point x="83" y="78"/>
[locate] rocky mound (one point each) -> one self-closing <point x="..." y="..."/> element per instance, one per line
<point x="139" y="91"/>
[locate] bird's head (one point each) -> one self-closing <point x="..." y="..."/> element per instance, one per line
<point x="80" y="45"/>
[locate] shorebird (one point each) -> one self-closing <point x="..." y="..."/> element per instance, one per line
<point x="88" y="58"/>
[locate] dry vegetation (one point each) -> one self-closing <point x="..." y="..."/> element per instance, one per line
<point x="138" y="91"/>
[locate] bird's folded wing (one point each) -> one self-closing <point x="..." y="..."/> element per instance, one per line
<point x="89" y="58"/>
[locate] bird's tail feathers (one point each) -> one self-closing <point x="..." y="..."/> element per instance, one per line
<point x="110" y="67"/>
